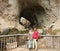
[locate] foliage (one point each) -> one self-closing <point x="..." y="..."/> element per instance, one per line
<point x="23" y="32"/>
<point x="55" y="31"/>
<point x="16" y="31"/>
<point x="39" y="27"/>
<point x="13" y="31"/>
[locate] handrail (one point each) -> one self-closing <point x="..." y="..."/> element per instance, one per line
<point x="27" y="34"/>
<point x="13" y="35"/>
<point x="16" y="38"/>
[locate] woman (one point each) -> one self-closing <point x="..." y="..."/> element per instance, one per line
<point x="35" y="38"/>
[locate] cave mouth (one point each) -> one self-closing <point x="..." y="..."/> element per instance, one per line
<point x="29" y="13"/>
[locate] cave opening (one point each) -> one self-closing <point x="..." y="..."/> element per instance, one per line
<point x="29" y="13"/>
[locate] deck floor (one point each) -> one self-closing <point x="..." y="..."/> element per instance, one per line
<point x="24" y="49"/>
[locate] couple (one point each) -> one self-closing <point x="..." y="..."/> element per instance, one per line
<point x="33" y="37"/>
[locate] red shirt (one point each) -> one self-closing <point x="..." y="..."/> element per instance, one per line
<point x="35" y="35"/>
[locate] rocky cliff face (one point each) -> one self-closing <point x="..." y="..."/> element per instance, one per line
<point x="11" y="9"/>
<point x="52" y="9"/>
<point x="9" y="14"/>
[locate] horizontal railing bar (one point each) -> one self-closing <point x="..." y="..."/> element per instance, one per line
<point x="13" y="35"/>
<point x="50" y="35"/>
<point x="27" y="34"/>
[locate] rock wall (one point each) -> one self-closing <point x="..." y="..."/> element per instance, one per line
<point x="9" y="14"/>
<point x="52" y="9"/>
<point x="10" y="10"/>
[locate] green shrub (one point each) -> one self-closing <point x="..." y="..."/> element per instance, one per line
<point x="16" y="31"/>
<point x="39" y="27"/>
<point x="23" y="32"/>
<point x="13" y="31"/>
<point x="55" y="31"/>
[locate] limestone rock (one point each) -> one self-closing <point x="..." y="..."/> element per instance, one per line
<point x="10" y="10"/>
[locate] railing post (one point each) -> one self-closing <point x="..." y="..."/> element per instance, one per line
<point x="17" y="41"/>
<point x="53" y="41"/>
<point x="1" y="45"/>
<point x="4" y="45"/>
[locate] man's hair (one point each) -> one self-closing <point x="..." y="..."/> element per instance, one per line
<point x="30" y="28"/>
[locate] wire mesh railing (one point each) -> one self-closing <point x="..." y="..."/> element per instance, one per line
<point x="8" y="42"/>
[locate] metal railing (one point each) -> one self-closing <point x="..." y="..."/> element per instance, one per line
<point x="11" y="41"/>
<point x="15" y="40"/>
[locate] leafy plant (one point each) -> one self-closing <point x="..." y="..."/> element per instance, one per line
<point x="23" y="32"/>
<point x="55" y="31"/>
<point x="13" y="31"/>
